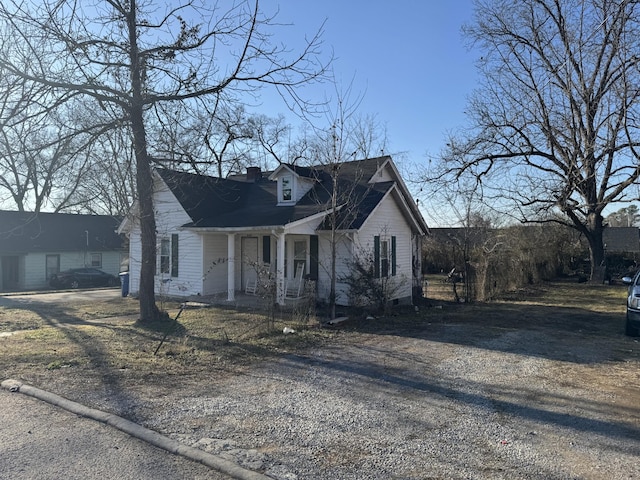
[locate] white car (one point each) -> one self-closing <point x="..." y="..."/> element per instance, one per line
<point x="633" y="305"/>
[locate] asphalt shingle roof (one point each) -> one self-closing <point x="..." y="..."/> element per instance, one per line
<point x="24" y="232"/>
<point x="232" y="203"/>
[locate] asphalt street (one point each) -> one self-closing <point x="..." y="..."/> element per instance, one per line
<point x="41" y="441"/>
<point x="62" y="296"/>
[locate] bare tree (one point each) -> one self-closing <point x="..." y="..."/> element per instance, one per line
<point x="269" y="140"/>
<point x="346" y="136"/>
<point x="134" y="55"/>
<point x="204" y="137"/>
<point x="222" y="138"/>
<point x="43" y="157"/>
<point x="554" y="126"/>
<point x="624" y="217"/>
<point x="110" y="187"/>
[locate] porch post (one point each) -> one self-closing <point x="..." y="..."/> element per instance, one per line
<point x="280" y="279"/>
<point x="231" y="269"/>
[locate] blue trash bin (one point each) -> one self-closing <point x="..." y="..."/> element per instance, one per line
<point x="124" y="283"/>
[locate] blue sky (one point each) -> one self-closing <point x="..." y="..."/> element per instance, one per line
<point x="407" y="57"/>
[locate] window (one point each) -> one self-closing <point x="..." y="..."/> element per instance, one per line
<point x="169" y="255"/>
<point x="52" y="265"/>
<point x="384" y="258"/>
<point x="384" y="253"/>
<point x="96" y="260"/>
<point x="287" y="188"/>
<point x="165" y="248"/>
<point x="299" y="256"/>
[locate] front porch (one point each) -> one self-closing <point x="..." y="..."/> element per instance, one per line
<point x="235" y="264"/>
<point x="254" y="303"/>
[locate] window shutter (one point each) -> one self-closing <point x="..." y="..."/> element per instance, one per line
<point x="376" y="256"/>
<point x="393" y="256"/>
<point x="313" y="255"/>
<point x="266" y="249"/>
<point x="174" y="255"/>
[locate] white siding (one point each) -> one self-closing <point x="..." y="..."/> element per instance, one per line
<point x="382" y="175"/>
<point x="135" y="257"/>
<point x="189" y="279"/>
<point x="215" y="264"/>
<point x="302" y="187"/>
<point x="344" y="249"/>
<point x="170" y="216"/>
<point x="33" y="266"/>
<point x="387" y="220"/>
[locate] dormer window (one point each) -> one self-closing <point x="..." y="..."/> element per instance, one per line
<point x="293" y="183"/>
<point x="287" y="188"/>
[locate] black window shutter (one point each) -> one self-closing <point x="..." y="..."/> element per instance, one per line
<point x="313" y="254"/>
<point x="266" y="249"/>
<point x="393" y="256"/>
<point x="174" y="255"/>
<point x="376" y="256"/>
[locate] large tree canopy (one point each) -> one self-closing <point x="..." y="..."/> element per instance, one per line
<point x="130" y="57"/>
<point x="554" y="124"/>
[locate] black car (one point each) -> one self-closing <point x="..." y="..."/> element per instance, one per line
<point x="633" y="305"/>
<point x="83" y="277"/>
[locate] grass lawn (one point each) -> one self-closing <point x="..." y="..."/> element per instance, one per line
<point x="78" y="340"/>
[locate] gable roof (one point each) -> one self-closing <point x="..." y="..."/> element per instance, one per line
<point x="226" y="203"/>
<point x="233" y="203"/>
<point x="25" y="232"/>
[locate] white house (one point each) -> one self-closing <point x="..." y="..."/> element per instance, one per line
<point x="212" y="233"/>
<point x="34" y="246"/>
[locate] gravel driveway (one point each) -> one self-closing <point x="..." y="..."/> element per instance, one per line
<point x="450" y="402"/>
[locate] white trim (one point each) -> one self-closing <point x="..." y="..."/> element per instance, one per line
<point x="292" y="189"/>
<point x="231" y="267"/>
<point x="276" y="173"/>
<point x="265" y="228"/>
<point x="404" y="192"/>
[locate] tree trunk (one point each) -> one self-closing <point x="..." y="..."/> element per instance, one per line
<point x="595" y="230"/>
<point x="334" y="246"/>
<point x="149" y="311"/>
<point x="332" y="290"/>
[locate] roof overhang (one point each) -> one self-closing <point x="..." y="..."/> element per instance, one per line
<point x="417" y="222"/>
<point x="250" y="229"/>
<point x="274" y="175"/>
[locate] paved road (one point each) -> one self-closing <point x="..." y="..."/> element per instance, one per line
<point x="45" y="442"/>
<point x="40" y="441"/>
<point x="63" y="296"/>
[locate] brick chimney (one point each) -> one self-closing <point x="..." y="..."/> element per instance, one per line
<point x="254" y="174"/>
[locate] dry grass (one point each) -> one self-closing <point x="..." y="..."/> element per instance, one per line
<point x="560" y="293"/>
<point x="99" y="340"/>
<point x="95" y="339"/>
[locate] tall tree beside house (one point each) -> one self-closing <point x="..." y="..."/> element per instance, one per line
<point x="133" y="56"/>
<point x="553" y="125"/>
<point x="346" y="137"/>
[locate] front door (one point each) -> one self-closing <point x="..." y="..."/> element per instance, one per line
<point x="10" y="273"/>
<point x="249" y="252"/>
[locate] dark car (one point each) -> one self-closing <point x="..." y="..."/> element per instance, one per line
<point x="633" y="305"/>
<point x="83" y="277"/>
